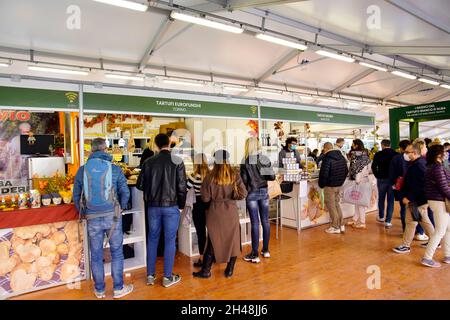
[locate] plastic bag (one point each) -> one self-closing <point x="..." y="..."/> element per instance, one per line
<point x="358" y="194"/>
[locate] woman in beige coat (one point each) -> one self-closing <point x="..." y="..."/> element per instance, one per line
<point x="221" y="189"/>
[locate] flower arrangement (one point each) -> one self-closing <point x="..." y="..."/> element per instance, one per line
<point x="278" y="126"/>
<point x="53" y="184"/>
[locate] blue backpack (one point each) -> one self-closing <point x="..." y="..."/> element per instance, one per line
<point x="98" y="189"/>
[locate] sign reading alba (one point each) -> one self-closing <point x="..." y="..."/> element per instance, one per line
<point x="424" y="111"/>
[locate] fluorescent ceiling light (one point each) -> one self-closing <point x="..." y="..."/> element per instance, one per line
<point x="184" y="83"/>
<point x="235" y="88"/>
<point x="446" y="86"/>
<point x="268" y="91"/>
<point x="370" y="105"/>
<point x="335" y="56"/>
<point x="2" y="64"/>
<point x="429" y="81"/>
<point x="368" y="65"/>
<point x="280" y="41"/>
<point x="404" y="75"/>
<point x="124" y="77"/>
<point x="306" y="97"/>
<point x="205" y="22"/>
<point x="126" y="4"/>
<point x="57" y="70"/>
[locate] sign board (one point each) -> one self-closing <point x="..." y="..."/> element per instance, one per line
<point x="270" y="113"/>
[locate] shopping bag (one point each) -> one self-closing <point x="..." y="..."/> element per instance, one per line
<point x="358" y="194"/>
<point x="274" y="189"/>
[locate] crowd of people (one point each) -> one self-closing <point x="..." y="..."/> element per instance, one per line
<point x="417" y="177"/>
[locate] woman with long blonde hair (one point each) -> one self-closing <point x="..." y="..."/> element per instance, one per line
<point x="195" y="180"/>
<point x="221" y="189"/>
<point x="256" y="170"/>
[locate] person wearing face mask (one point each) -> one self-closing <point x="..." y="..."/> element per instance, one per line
<point x="413" y="196"/>
<point x="289" y="147"/>
<point x="397" y="170"/>
<point x="437" y="190"/>
<point x="446" y="162"/>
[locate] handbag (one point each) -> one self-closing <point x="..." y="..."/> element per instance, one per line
<point x="274" y="189"/>
<point x="399" y="183"/>
<point x="358" y="194"/>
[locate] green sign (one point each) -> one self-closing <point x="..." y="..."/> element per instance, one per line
<point x="38" y="98"/>
<point x="423" y="112"/>
<point x="112" y="102"/>
<point x="269" y="113"/>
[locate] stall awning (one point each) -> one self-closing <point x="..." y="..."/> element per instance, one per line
<point x="285" y="114"/>
<point x="95" y="102"/>
<point x="11" y="97"/>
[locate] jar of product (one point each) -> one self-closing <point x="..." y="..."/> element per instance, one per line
<point x="23" y="201"/>
<point x="35" y="199"/>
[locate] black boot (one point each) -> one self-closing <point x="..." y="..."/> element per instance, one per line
<point x="199" y="263"/>
<point x="205" y="272"/>
<point x="230" y="267"/>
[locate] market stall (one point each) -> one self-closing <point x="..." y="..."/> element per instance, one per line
<point x="311" y="127"/>
<point x="41" y="240"/>
<point x="130" y="119"/>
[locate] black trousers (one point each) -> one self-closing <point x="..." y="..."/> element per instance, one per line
<point x="199" y="217"/>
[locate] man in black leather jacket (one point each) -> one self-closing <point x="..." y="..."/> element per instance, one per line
<point x="163" y="182"/>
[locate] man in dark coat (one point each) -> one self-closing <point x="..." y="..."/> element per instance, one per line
<point x="380" y="168"/>
<point x="333" y="173"/>
<point x="412" y="194"/>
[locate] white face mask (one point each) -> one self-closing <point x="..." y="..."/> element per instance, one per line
<point x="406" y="157"/>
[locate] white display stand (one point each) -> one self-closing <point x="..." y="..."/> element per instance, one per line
<point x="137" y="237"/>
<point x="187" y="236"/>
<point x="300" y="211"/>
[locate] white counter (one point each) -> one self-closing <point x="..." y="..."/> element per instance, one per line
<point x="306" y="207"/>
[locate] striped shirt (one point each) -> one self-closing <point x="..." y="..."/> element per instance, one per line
<point x="196" y="182"/>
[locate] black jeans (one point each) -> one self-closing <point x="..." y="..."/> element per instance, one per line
<point x="199" y="217"/>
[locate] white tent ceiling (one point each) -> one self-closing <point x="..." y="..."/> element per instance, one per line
<point x="416" y="32"/>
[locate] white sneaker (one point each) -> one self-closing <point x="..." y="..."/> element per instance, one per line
<point x="127" y="289"/>
<point x="342" y="229"/>
<point x="388" y="225"/>
<point x="333" y="230"/>
<point x="265" y="254"/>
<point x="380" y="219"/>
<point x="421" y="237"/>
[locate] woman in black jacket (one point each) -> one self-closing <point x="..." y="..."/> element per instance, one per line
<point x="256" y="170"/>
<point x="437" y="191"/>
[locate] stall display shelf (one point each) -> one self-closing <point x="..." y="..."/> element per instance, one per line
<point x="137" y="238"/>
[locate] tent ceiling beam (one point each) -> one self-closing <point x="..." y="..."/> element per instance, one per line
<point x="330" y="35"/>
<point x="440" y="128"/>
<point x="164" y="27"/>
<point x="350" y="82"/>
<point x="230" y="5"/>
<point x="398" y="50"/>
<point x="160" y="68"/>
<point x="403" y="89"/>
<point x="440" y="97"/>
<point x="408" y="7"/>
<point x="278" y="65"/>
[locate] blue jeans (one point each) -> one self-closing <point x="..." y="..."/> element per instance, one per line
<point x="97" y="229"/>
<point x="167" y="218"/>
<point x="258" y="206"/>
<point x="385" y="191"/>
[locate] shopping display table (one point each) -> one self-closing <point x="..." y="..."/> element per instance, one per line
<point x="306" y="206"/>
<point x="40" y="248"/>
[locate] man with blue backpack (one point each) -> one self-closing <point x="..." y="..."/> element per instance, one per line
<point x="100" y="192"/>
